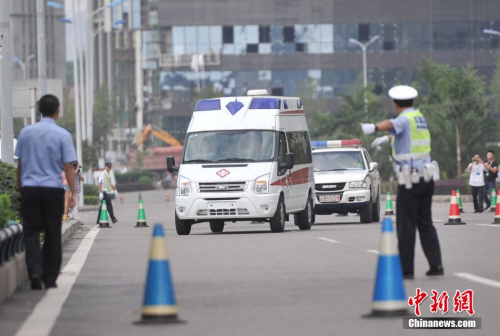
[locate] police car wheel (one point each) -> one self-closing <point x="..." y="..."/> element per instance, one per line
<point x="277" y="222"/>
<point x="365" y="214"/>
<point x="216" y="226"/>
<point x="305" y="217"/>
<point x="183" y="227"/>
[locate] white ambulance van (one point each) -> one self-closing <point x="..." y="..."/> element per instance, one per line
<point x="245" y="159"/>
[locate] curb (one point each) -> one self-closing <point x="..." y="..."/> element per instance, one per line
<point x="14" y="273"/>
<point x="435" y="198"/>
<point x="88" y="208"/>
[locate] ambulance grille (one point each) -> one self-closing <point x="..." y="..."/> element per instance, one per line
<point x="222" y="187"/>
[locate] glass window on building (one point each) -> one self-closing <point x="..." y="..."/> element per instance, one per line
<point x="264" y="48"/>
<point x="264" y="34"/>
<point x="415" y="36"/>
<point x="289" y="34"/>
<point x="252" y="34"/>
<point x="451" y="35"/>
<point x="277" y="39"/>
<point x="390" y="36"/>
<point x="342" y="34"/>
<point x="227" y="35"/>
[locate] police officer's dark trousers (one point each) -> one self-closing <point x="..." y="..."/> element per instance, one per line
<point x="109" y="207"/>
<point x="413" y="211"/>
<point x="41" y="210"/>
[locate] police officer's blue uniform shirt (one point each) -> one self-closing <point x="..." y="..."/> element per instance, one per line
<point x="402" y="139"/>
<point x="43" y="148"/>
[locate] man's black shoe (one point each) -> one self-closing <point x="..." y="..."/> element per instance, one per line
<point x="54" y="285"/>
<point x="476" y="211"/>
<point x="487" y="207"/>
<point x="114" y="220"/>
<point x="435" y="271"/>
<point x="408" y="276"/>
<point x="36" y="282"/>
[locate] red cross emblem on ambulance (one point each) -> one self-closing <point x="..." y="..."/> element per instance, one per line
<point x="223" y="173"/>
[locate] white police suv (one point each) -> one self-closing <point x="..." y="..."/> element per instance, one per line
<point x="346" y="180"/>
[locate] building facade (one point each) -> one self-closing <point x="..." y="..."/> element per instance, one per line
<point x="278" y="45"/>
<point x="24" y="40"/>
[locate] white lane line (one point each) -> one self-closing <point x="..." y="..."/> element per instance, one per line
<point x="478" y="279"/>
<point x="492" y="225"/>
<point x="373" y="251"/>
<point x="328" y="240"/>
<point x="438" y="220"/>
<point x="44" y="316"/>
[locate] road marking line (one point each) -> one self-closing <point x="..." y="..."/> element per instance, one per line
<point x="328" y="240"/>
<point x="438" y="220"/>
<point x="476" y="278"/>
<point x="492" y="225"/>
<point x="373" y="251"/>
<point x="44" y="316"/>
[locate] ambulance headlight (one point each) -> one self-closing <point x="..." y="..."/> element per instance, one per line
<point x="184" y="186"/>
<point x="357" y="184"/>
<point x="262" y="184"/>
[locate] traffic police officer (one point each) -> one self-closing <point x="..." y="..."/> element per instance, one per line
<point x="411" y="148"/>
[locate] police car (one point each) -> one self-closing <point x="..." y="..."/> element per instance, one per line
<point x="346" y="180"/>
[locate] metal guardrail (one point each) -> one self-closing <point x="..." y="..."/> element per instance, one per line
<point x="11" y="242"/>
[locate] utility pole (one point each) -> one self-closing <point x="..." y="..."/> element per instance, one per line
<point x="41" y="53"/>
<point x="138" y="81"/>
<point x="7" y="131"/>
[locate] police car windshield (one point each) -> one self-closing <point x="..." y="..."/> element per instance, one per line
<point x="230" y="146"/>
<point x="329" y="161"/>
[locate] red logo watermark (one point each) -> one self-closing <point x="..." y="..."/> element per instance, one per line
<point x="223" y="173"/>
<point x="462" y="301"/>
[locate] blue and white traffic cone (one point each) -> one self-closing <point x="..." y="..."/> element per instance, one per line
<point x="159" y="304"/>
<point x="389" y="298"/>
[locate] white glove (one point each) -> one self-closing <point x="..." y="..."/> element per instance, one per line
<point x="116" y="193"/>
<point x="380" y="140"/>
<point x="368" y="128"/>
<point x="101" y="196"/>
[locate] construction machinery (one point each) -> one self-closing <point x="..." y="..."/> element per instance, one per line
<point x="158" y="133"/>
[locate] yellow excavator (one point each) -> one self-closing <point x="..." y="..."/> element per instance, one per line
<point x="158" y="133"/>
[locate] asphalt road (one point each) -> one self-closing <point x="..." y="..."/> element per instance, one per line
<point x="249" y="281"/>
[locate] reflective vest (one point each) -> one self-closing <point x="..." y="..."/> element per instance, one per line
<point x="420" y="138"/>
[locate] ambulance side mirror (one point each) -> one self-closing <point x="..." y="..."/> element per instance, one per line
<point x="171" y="167"/>
<point x="289" y="161"/>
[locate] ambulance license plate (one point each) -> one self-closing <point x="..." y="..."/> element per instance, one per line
<point x="221" y="205"/>
<point x="329" y="198"/>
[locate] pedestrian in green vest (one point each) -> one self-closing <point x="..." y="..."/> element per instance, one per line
<point x="107" y="191"/>
<point x="411" y="148"/>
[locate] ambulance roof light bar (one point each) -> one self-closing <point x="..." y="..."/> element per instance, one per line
<point x="336" y="143"/>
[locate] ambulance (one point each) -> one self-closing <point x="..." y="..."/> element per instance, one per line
<point x="245" y="159"/>
<point x="347" y="181"/>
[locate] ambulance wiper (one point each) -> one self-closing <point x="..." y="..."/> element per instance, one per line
<point x="198" y="161"/>
<point x="236" y="160"/>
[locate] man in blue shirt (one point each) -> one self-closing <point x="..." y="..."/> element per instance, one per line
<point x="44" y="150"/>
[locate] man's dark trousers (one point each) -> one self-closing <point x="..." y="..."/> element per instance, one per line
<point x="41" y="210"/>
<point x="109" y="207"/>
<point x="413" y="211"/>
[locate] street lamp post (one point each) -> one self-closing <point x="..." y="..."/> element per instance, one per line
<point x="90" y="65"/>
<point x="491" y="32"/>
<point x="364" y="47"/>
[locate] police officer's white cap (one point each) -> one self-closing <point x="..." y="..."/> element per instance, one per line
<point x="403" y="92"/>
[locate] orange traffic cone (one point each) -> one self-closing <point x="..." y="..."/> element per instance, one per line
<point x="167" y="197"/>
<point x="454" y="216"/>
<point x="497" y="212"/>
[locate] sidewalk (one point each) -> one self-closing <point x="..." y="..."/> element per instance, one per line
<point x="14" y="273"/>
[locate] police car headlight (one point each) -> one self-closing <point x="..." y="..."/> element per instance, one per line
<point x="184" y="186"/>
<point x="262" y="184"/>
<point x="358" y="184"/>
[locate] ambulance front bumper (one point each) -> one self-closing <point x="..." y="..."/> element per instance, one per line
<point x="233" y="207"/>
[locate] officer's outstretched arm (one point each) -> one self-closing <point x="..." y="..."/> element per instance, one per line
<point x="385" y="125"/>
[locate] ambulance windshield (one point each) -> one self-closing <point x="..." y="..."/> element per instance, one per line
<point x="230" y="146"/>
<point x="330" y="161"/>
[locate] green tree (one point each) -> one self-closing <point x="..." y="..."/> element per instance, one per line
<point x="495" y="89"/>
<point x="455" y="108"/>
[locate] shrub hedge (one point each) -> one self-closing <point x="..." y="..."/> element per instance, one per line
<point x="8" y="187"/>
<point x="133" y="176"/>
<point x="91" y="200"/>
